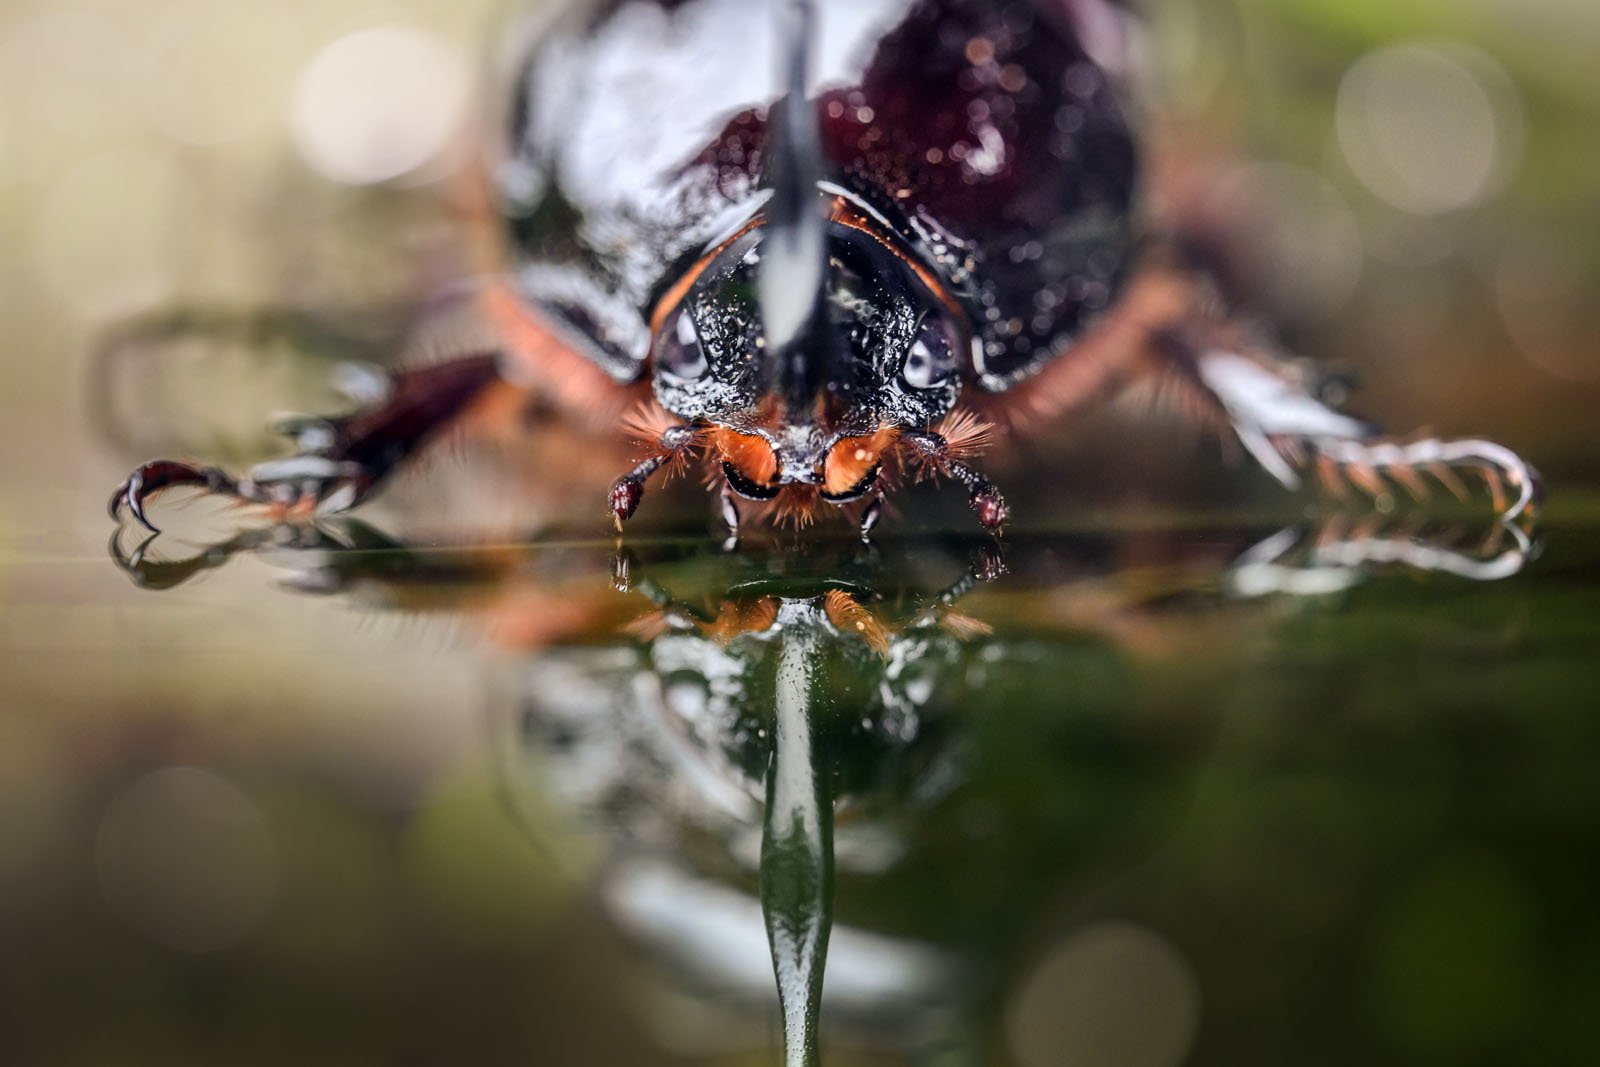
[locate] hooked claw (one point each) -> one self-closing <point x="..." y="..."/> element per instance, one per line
<point x="162" y="474"/>
<point x="162" y="574"/>
<point x="294" y="488"/>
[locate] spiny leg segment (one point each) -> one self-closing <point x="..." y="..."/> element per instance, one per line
<point x="1513" y="485"/>
<point x="1291" y="433"/>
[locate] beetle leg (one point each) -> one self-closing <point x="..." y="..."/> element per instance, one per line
<point x="988" y="564"/>
<point x="161" y="574"/>
<point x="1337" y="554"/>
<point x="1291" y="433"/>
<point x="1162" y="335"/>
<point x="342" y="458"/>
<point x="985" y="499"/>
<point x="730" y="511"/>
<point x="628" y="490"/>
<point x="871" y="515"/>
<point x="1502" y="470"/>
<point x="151" y="478"/>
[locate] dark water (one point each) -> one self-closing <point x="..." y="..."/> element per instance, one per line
<point x="1145" y="794"/>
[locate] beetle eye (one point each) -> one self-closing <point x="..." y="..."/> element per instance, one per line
<point x="931" y="358"/>
<point x="678" y="350"/>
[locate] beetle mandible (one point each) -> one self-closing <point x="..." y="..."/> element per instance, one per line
<point x="819" y="245"/>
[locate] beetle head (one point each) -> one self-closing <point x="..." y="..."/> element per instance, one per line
<point x="878" y="351"/>
<point x="809" y="339"/>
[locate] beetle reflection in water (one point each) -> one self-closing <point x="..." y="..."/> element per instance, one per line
<point x="740" y="727"/>
<point x="821" y="248"/>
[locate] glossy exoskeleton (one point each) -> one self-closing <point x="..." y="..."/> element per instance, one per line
<point x="823" y="246"/>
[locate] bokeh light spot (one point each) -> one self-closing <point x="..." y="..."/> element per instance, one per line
<point x="1539" y="286"/>
<point x="1308" y="256"/>
<point x="378" y="104"/>
<point x="1111" y="995"/>
<point x="64" y="71"/>
<point x="1429" y="128"/>
<point x="242" y="54"/>
<point x="187" y="860"/>
<point x="106" y="238"/>
<point x="1455" y="957"/>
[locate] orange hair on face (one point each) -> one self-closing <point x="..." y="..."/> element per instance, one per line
<point x="737" y="617"/>
<point x="851" y="458"/>
<point x="746" y="453"/>
<point x="851" y="617"/>
<point x="797" y="506"/>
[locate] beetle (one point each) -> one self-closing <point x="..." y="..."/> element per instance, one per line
<point x="821" y="246"/>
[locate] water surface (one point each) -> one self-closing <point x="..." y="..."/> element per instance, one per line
<point x="1151" y="792"/>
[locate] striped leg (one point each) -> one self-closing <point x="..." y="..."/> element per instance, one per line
<point x="1292" y="434"/>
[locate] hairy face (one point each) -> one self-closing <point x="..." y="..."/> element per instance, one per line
<point x="882" y="354"/>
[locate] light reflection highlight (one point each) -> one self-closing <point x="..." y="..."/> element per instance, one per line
<point x="378" y="104"/>
<point x="1429" y="128"/>
<point x="1112" y="994"/>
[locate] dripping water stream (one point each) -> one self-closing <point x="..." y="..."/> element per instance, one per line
<point x="797" y="840"/>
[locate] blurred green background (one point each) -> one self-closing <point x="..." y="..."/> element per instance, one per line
<point x="1375" y="825"/>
